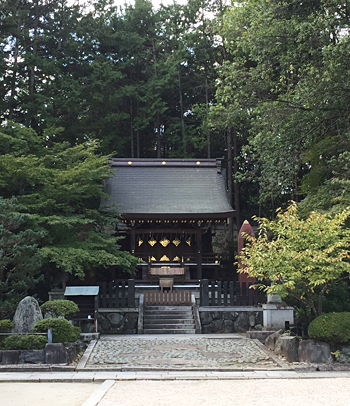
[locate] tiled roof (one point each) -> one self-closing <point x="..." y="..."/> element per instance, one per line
<point x="151" y="188"/>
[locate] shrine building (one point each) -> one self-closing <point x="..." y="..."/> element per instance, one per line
<point x="171" y="209"/>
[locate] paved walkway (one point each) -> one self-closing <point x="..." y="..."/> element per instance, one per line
<point x="185" y="352"/>
<point x="166" y="388"/>
<point x="162" y="370"/>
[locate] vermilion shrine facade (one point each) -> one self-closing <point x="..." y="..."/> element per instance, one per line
<point x="170" y="210"/>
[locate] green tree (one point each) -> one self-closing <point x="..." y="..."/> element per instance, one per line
<point x="300" y="258"/>
<point x="60" y="188"/>
<point x="289" y="73"/>
<point x="19" y="255"/>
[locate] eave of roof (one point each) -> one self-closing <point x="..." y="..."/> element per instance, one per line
<point x="168" y="189"/>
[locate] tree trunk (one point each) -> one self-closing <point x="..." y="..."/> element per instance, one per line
<point x="182" y="115"/>
<point x="159" y="144"/>
<point x="207" y="112"/>
<point x="229" y="175"/>
<point x="31" y="118"/>
<point x="235" y="183"/>
<point x="14" y="75"/>
<point x="229" y="165"/>
<point x="131" y="131"/>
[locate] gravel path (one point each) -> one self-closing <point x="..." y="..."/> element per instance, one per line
<point x="45" y="394"/>
<point x="308" y="392"/>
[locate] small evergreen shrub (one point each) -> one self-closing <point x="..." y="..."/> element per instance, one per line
<point x="24" y="342"/>
<point x="333" y="328"/>
<point x="60" y="308"/>
<point x="62" y="330"/>
<point x="6" y="326"/>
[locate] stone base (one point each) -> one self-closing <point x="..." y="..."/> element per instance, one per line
<point x="89" y="336"/>
<point x="275" y="316"/>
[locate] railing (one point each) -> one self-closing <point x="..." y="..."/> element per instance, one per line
<point x="117" y="294"/>
<point x="168" y="298"/>
<point x="229" y="293"/>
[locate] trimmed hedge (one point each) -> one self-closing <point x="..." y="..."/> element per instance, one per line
<point x="60" y="308"/>
<point x="333" y="328"/>
<point x="6" y="326"/>
<point x="62" y="330"/>
<point x="24" y="342"/>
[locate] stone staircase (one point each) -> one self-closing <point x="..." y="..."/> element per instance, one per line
<point x="168" y="320"/>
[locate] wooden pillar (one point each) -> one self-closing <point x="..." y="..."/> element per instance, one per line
<point x="199" y="253"/>
<point x="132" y="240"/>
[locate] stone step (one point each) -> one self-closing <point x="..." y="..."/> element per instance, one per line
<point x="169" y="326"/>
<point x="169" y="331"/>
<point x="168" y="315"/>
<point x="162" y="320"/>
<point x="168" y="320"/>
<point x="167" y="308"/>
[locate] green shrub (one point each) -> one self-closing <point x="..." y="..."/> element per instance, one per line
<point x="24" y="342"/>
<point x="60" y="308"/>
<point x="62" y="329"/>
<point x="6" y="326"/>
<point x="333" y="328"/>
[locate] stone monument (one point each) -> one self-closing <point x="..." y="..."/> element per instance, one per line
<point x="28" y="313"/>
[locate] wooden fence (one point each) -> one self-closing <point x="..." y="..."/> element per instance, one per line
<point x="117" y="294"/>
<point x="229" y="293"/>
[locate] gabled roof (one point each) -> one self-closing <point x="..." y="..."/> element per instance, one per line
<point x="168" y="188"/>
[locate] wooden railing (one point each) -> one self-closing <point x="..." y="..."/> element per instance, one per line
<point x="229" y="293"/>
<point x="117" y="294"/>
<point x="168" y="298"/>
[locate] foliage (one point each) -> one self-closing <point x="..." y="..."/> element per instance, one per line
<point x="19" y="257"/>
<point x="337" y="299"/>
<point x="62" y="330"/>
<point x="334" y="328"/>
<point x="298" y="257"/>
<point x="286" y="74"/>
<point x="24" y="342"/>
<point x="96" y="68"/>
<point x="6" y="326"/>
<point x="59" y="308"/>
<point x="60" y="188"/>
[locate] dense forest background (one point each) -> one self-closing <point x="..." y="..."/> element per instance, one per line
<point x="263" y="84"/>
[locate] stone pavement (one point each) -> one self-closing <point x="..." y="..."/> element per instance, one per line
<point x="185" y="352"/>
<point x="114" y="362"/>
<point x="102" y="376"/>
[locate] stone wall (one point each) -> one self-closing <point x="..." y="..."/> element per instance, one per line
<point x="118" y="321"/>
<point x="230" y="319"/>
<point x="56" y="353"/>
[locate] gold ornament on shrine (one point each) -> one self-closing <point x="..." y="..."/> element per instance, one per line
<point x="164" y="242"/>
<point x="188" y="241"/>
<point x="176" y="242"/>
<point x="153" y="259"/>
<point x="140" y="242"/>
<point x="164" y="258"/>
<point x="176" y="259"/>
<point x="152" y="242"/>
